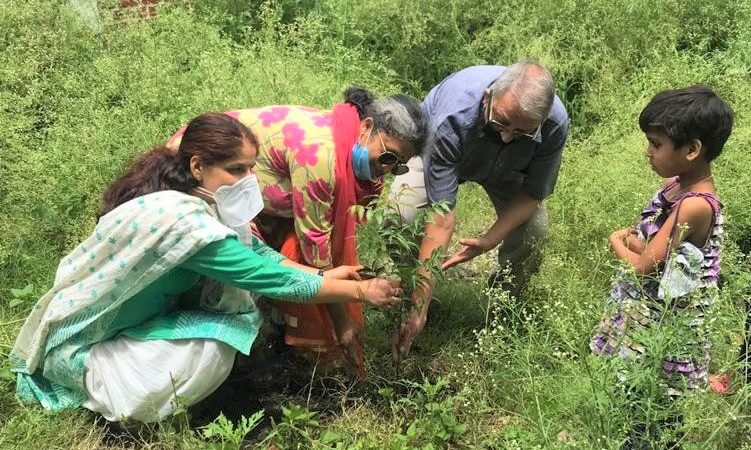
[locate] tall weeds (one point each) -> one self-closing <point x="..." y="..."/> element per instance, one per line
<point x="76" y="105"/>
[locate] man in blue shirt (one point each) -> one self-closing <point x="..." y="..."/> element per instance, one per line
<point x="503" y="128"/>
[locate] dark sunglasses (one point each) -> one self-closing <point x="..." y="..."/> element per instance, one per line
<point x="388" y="158"/>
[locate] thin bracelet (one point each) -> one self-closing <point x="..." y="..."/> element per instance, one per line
<point x="360" y="293"/>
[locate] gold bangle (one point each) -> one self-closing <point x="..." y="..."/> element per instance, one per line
<point x="360" y="293"/>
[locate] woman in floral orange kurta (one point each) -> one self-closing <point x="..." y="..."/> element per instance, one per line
<point x="305" y="168"/>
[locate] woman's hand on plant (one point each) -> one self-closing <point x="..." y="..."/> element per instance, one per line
<point x="381" y="293"/>
<point x="470" y="249"/>
<point x="402" y="339"/>
<point x="350" y="336"/>
<point x="344" y="273"/>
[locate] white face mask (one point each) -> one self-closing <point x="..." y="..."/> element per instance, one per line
<point x="238" y="204"/>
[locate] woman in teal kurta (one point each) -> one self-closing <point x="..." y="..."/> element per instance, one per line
<point x="155" y="303"/>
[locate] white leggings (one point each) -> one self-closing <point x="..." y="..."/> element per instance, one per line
<point x="142" y="380"/>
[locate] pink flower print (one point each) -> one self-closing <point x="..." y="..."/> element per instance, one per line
<point x="293" y="137"/>
<point x="319" y="191"/>
<point x="298" y="203"/>
<point x="234" y="114"/>
<point x="277" y="199"/>
<point x="322" y="121"/>
<point x="273" y="115"/>
<point x="307" y="155"/>
<point x="307" y="253"/>
<point x="315" y="239"/>
<point x="278" y="162"/>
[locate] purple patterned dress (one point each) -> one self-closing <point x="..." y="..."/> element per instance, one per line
<point x="681" y="293"/>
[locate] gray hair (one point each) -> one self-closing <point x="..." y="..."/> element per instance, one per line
<point x="400" y="116"/>
<point x="532" y="87"/>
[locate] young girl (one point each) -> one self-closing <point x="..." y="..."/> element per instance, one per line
<point x="674" y="248"/>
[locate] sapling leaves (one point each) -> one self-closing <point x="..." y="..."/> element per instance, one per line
<point x="399" y="241"/>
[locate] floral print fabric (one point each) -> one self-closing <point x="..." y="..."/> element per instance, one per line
<point x="130" y="248"/>
<point x="681" y="292"/>
<point x="296" y="170"/>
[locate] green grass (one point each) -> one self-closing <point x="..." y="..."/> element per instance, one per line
<point x="489" y="371"/>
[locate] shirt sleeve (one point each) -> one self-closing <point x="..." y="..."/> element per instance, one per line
<point x="542" y="172"/>
<point x="265" y="251"/>
<point x="231" y="263"/>
<point x="441" y="177"/>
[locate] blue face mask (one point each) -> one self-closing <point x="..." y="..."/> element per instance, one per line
<point x="361" y="162"/>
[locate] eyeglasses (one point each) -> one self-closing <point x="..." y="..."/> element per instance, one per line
<point x="501" y="127"/>
<point x="388" y="158"/>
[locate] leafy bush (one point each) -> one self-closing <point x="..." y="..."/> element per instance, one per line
<point x="76" y="105"/>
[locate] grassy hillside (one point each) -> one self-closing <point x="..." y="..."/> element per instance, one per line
<point x="489" y="371"/>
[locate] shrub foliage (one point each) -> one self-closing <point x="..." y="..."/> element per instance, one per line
<point x="77" y="104"/>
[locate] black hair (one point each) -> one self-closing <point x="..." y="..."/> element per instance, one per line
<point x="360" y="98"/>
<point x="215" y="137"/>
<point x="694" y="112"/>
